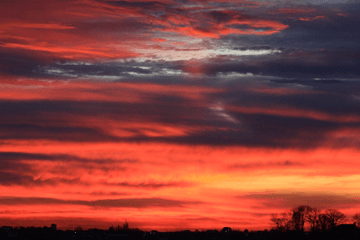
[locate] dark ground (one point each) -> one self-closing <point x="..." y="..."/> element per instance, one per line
<point x="45" y="233"/>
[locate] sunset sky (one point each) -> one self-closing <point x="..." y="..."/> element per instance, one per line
<point x="177" y="114"/>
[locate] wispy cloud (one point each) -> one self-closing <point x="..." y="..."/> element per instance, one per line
<point x="109" y="203"/>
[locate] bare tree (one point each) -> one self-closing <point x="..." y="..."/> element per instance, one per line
<point x="282" y="221"/>
<point x="323" y="222"/>
<point x="356" y="219"/>
<point x="335" y="217"/>
<point x="313" y="219"/>
<point x="299" y="216"/>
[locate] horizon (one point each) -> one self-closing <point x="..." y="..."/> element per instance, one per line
<point x="120" y="226"/>
<point x="178" y="114"/>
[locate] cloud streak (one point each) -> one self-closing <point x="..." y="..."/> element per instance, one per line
<point x="109" y="203"/>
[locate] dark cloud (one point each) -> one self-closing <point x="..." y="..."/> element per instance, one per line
<point x="15" y="157"/>
<point x="15" y="172"/>
<point x="337" y="90"/>
<point x="290" y="200"/>
<point x="20" y="62"/>
<point x="7" y="178"/>
<point x="62" y="133"/>
<point x="18" y="165"/>
<point x="259" y="165"/>
<point x="100" y="193"/>
<point x="220" y="16"/>
<point x="324" y="48"/>
<point x="10" y="179"/>
<point x="107" y="203"/>
<point x="122" y="28"/>
<point x="298" y="64"/>
<point x="251" y="129"/>
<point x="332" y="32"/>
<point x="320" y="48"/>
<point x="144" y="5"/>
<point x="331" y="97"/>
<point x="150" y="185"/>
<point x="266" y="131"/>
<point x="155" y="110"/>
<point x="15" y="163"/>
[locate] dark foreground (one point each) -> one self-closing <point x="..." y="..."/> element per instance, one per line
<point x="344" y="232"/>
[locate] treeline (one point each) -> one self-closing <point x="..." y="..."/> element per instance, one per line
<point x="302" y="222"/>
<point x="317" y="220"/>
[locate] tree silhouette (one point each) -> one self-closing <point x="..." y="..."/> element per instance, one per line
<point x="356" y="219"/>
<point x="126" y="226"/>
<point x="299" y="216"/>
<point x="313" y="219"/>
<point x="323" y="222"/>
<point x="335" y="217"/>
<point x="282" y="221"/>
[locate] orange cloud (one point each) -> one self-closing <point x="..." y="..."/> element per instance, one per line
<point x="212" y="182"/>
<point x="216" y="30"/>
<point x="28" y="89"/>
<point x="56" y="26"/>
<point x="74" y="52"/>
<point x="159" y="40"/>
<point x="292" y="112"/>
<point x="311" y="19"/>
<point x="90" y="30"/>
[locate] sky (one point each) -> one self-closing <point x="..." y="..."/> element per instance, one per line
<point x="177" y="114"/>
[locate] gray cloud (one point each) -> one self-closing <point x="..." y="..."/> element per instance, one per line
<point x="294" y="199"/>
<point x="253" y="129"/>
<point x="107" y="203"/>
<point x="255" y="165"/>
<point x="14" y="178"/>
<point x="151" y="185"/>
<point x="323" y="48"/>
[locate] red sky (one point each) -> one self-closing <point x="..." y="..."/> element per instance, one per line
<point x="177" y="114"/>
